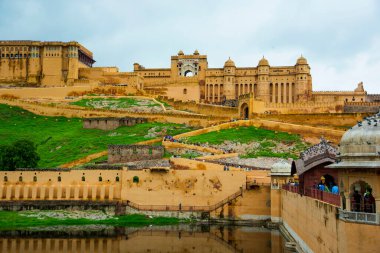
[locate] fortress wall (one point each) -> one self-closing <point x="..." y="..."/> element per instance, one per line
<point x="188" y="187"/>
<point x="316" y="228"/>
<point x="356" y="237"/>
<point x="259" y="107"/>
<point x="172" y="145"/>
<point x="218" y="156"/>
<point x="45" y="185"/>
<point x="111" y="123"/>
<point x="49" y="92"/>
<point x="314" y="222"/>
<point x="331" y="119"/>
<point x="184" y="91"/>
<point x="82" y="112"/>
<point x="254" y="205"/>
<point x="304" y="130"/>
<point x="130" y="153"/>
<point x="206" y="109"/>
<point x="13" y="70"/>
<point x="373" y="107"/>
<point x="331" y="97"/>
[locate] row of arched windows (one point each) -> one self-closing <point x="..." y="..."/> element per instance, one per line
<point x="59" y="178"/>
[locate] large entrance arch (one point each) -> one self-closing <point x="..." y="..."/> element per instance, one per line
<point x="189" y="73"/>
<point x="244" y="111"/>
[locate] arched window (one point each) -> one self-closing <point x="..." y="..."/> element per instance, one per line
<point x="136" y="179"/>
<point x="83" y="178"/>
<point x="117" y="179"/>
<point x="35" y="179"/>
<point x="5" y="178"/>
<point x="59" y="178"/>
<point x="20" y="178"/>
<point x="185" y="91"/>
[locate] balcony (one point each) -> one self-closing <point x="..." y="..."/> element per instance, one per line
<point x="359" y="217"/>
<point x="327" y="197"/>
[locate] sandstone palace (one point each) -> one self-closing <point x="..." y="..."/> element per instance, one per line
<point x="258" y="89"/>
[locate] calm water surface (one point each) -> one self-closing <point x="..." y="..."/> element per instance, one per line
<point x="183" y="238"/>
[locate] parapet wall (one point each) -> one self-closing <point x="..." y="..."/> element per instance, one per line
<point x="324" y="232"/>
<point x="111" y="123"/>
<point x="304" y="130"/>
<point x="85" y="112"/>
<point x="207" y="109"/>
<point x="130" y="153"/>
<point x="362" y="107"/>
<point x="321" y="119"/>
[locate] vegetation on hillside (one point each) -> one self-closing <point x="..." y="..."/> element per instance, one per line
<point x="60" y="140"/>
<point x="265" y="143"/>
<point x="20" y="154"/>
<point x="115" y="103"/>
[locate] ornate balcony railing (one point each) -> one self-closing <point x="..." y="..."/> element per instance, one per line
<point x="327" y="197"/>
<point x="360" y="217"/>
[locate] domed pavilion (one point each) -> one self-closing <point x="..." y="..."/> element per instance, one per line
<point x="359" y="165"/>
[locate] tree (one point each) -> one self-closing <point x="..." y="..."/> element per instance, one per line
<point x="20" y="154"/>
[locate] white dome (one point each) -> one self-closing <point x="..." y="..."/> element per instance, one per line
<point x="362" y="140"/>
<point x="281" y="168"/>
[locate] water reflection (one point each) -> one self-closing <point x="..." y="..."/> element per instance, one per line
<point x="151" y="239"/>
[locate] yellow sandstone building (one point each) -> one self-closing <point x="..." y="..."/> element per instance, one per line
<point x="261" y="89"/>
<point x="42" y="63"/>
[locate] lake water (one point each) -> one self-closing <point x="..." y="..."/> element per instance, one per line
<point x="182" y="238"/>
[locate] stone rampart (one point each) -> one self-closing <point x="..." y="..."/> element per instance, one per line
<point x="130" y="153"/>
<point x="304" y="130"/>
<point x="317" y="119"/>
<point x="84" y="112"/>
<point x="324" y="231"/>
<point x="111" y="123"/>
<point x="172" y="145"/>
<point x="49" y="92"/>
<point x="206" y="109"/>
<point x="362" y="107"/>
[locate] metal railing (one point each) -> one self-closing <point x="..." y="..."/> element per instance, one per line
<point x="370" y="218"/>
<point x="182" y="208"/>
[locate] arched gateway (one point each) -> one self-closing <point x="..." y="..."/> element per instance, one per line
<point x="244" y="111"/>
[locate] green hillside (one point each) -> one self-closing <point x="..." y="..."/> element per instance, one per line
<point x="61" y="140"/>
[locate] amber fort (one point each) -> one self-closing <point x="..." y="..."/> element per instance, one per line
<point x="333" y="142"/>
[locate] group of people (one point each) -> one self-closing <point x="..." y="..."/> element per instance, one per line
<point x="331" y="187"/>
<point x="363" y="204"/>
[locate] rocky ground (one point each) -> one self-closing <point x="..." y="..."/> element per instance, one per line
<point x="261" y="162"/>
<point x="92" y="215"/>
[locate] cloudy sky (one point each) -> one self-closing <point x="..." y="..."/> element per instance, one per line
<point x="340" y="39"/>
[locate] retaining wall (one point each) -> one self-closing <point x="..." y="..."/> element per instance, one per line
<point x="304" y="130"/>
<point x="130" y="153"/>
<point x="324" y="232"/>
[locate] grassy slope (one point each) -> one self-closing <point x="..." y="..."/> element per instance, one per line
<point x="61" y="140"/>
<point x="117" y="102"/>
<point x="15" y="220"/>
<point x="267" y="139"/>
